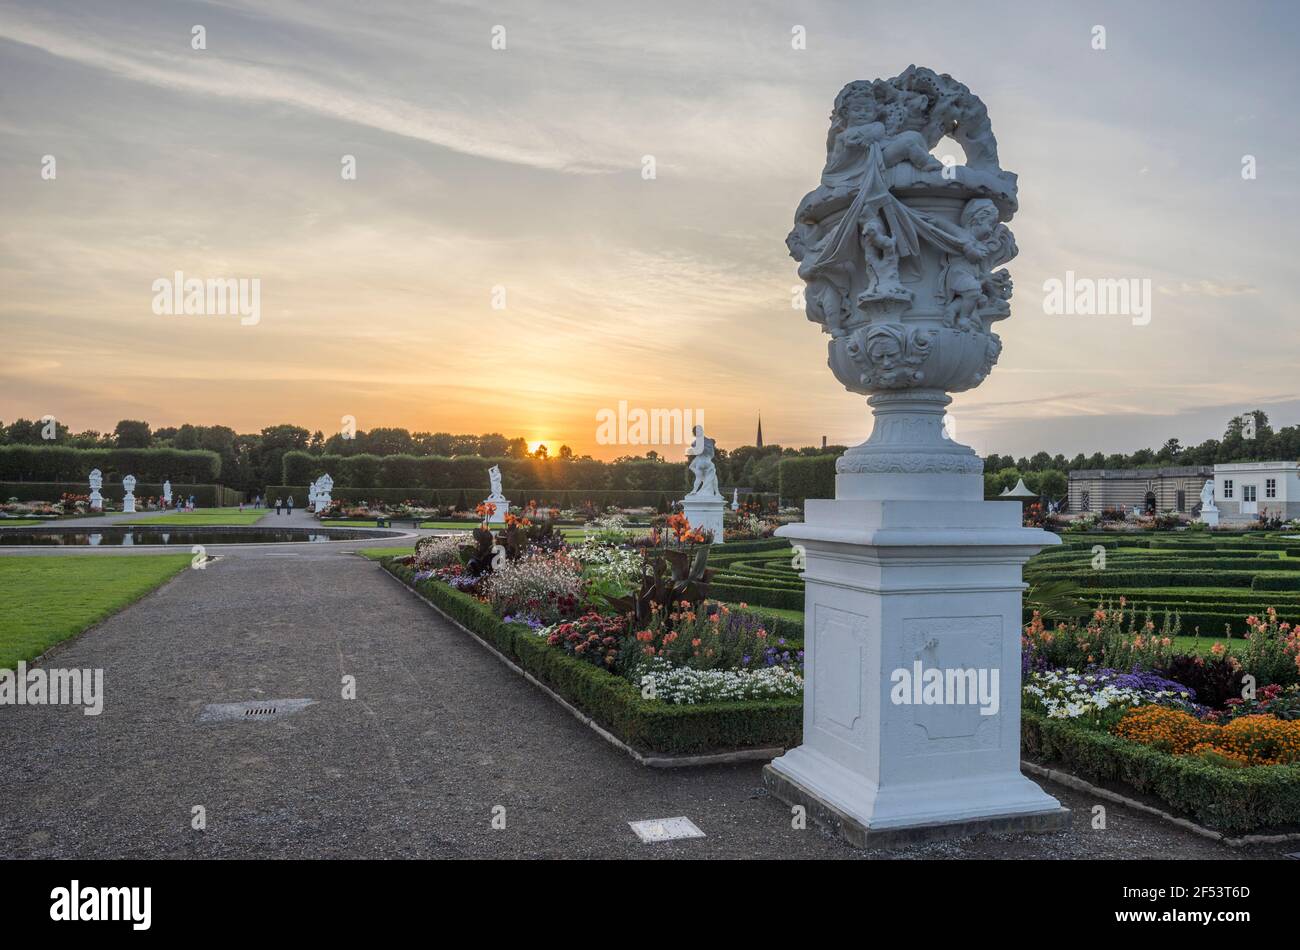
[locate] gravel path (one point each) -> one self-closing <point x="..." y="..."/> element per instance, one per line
<point x="439" y="734"/>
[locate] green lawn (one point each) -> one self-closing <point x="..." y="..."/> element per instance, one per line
<point x="204" y="516"/>
<point x="20" y="522"/>
<point x="376" y="553"/>
<point x="48" y="599"/>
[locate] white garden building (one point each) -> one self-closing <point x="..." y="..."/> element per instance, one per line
<point x="1244" y="490"/>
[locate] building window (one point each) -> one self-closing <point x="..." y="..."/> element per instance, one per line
<point x="1085" y="500"/>
<point x="1227" y="488"/>
<point x="1181" y="500"/>
<point x="1270" y="488"/>
<point x="1247" y="492"/>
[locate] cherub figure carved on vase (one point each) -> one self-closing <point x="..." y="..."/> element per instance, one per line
<point x="881" y="252"/>
<point x="971" y="289"/>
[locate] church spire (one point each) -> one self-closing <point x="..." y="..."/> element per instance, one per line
<point x="759" y="441"/>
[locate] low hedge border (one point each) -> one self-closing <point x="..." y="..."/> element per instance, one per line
<point x="699" y="734"/>
<point x="783" y="599"/>
<point x="1225" y="799"/>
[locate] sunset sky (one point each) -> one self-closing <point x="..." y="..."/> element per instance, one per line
<point x="522" y="169"/>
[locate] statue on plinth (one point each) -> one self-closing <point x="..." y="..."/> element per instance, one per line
<point x="96" y="483"/>
<point x="908" y="572"/>
<point x="1209" y="510"/>
<point x="128" y="497"/>
<point x="500" y="505"/>
<point x="703" y="506"/>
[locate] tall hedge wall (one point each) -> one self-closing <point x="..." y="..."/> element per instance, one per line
<point x="56" y="463"/>
<point x="205" y="496"/>
<point x="806" y="476"/>
<point x="560" y="498"/>
<point x="520" y="477"/>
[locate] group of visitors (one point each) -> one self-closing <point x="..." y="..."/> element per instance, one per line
<point x="287" y="506"/>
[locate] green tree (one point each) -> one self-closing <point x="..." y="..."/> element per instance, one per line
<point x="494" y="445"/>
<point x="132" y="434"/>
<point x="389" y="442"/>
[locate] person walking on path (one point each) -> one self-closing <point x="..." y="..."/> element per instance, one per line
<point x="291" y="504"/>
<point x="278" y="504"/>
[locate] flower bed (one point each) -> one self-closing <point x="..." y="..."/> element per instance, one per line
<point x="1234" y="800"/>
<point x="1216" y="738"/>
<point x="647" y="725"/>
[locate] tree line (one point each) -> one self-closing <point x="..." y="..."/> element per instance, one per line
<point x="252" y="461"/>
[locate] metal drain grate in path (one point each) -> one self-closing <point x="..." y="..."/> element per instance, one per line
<point x="257" y="710"/>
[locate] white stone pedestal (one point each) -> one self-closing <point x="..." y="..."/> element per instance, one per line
<point x="128" y="503"/>
<point x="930" y="575"/>
<point x="96" y="501"/>
<point x="705" y="512"/>
<point x="502" y="507"/>
<point x="1210" y="516"/>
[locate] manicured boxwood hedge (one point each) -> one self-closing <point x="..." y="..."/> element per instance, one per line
<point x="806" y="476"/>
<point x="518" y="495"/>
<point x="205" y="496"/>
<point x="613" y="702"/>
<point x="748" y="593"/>
<point x="1234" y="801"/>
<point x="58" y="463"/>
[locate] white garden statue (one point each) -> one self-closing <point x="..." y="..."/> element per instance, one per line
<point x="911" y="578"/>
<point x="167" y="494"/>
<point x="128" y="497"/>
<point x="1209" y="510"/>
<point x="96" y="483"/>
<point x="500" y="506"/>
<point x="324" y="485"/>
<point x="703" y="506"/>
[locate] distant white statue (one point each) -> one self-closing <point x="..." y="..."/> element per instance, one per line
<point x="500" y="505"/>
<point x="703" y="506"/>
<point x="735" y="499"/>
<point x="128" y="499"/>
<point x="324" y="485"/>
<point x="167" y="494"/>
<point x="706" y="474"/>
<point x="96" y="483"/>
<point x="1209" y="511"/>
<point x="311" y="495"/>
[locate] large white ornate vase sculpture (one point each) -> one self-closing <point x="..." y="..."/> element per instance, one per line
<point x="703" y="505"/>
<point x="96" y="483"/>
<point x="908" y="569"/>
<point x="499" y="502"/>
<point x="128" y="498"/>
<point x="1209" y="510"/>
